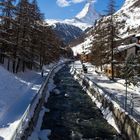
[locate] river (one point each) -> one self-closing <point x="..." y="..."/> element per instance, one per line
<point x="73" y="115"/>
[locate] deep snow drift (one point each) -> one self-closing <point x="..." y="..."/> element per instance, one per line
<point x="16" y="92"/>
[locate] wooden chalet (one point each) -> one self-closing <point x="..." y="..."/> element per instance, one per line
<point x="121" y="53"/>
<point x="86" y="57"/>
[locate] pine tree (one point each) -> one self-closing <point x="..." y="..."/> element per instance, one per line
<point x="99" y="49"/>
<point x="6" y="37"/>
<point x="25" y="27"/>
<point x="37" y="31"/>
<point x="131" y="69"/>
<point x="104" y="39"/>
<point x="111" y="28"/>
<point x="24" y="39"/>
<point x="130" y="72"/>
<point x="21" y="30"/>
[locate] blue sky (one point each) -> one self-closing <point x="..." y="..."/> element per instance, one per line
<point x="64" y="9"/>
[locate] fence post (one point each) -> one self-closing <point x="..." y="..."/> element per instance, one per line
<point x="132" y="103"/>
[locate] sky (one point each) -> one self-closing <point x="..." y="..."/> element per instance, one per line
<point x="67" y="9"/>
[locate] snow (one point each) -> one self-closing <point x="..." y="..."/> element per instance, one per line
<point x="113" y="91"/>
<point x="83" y="47"/>
<point x="39" y="134"/>
<point x="51" y="85"/>
<point x="39" y="122"/>
<point x="138" y="35"/>
<point x="16" y="92"/>
<point x="130" y="15"/>
<point x="56" y="91"/>
<point x="6" y="132"/>
<point x="88" y="14"/>
<point x="83" y="12"/>
<point x="84" y="19"/>
<point x="124" y="47"/>
<point x="109" y="117"/>
<point x="106" y="112"/>
<point x="81" y="25"/>
<point x="128" y="19"/>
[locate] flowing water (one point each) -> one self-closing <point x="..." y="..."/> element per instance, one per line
<point x="73" y="115"/>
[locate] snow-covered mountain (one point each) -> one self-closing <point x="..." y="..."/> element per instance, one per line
<point x="70" y="29"/>
<point x="88" y="14"/>
<point x="128" y="18"/>
<point x="75" y="22"/>
<point x="127" y="23"/>
<point x="66" y="32"/>
<point x="84" y="19"/>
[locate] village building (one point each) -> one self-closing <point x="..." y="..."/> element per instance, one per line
<point x="121" y="53"/>
<point x="86" y="57"/>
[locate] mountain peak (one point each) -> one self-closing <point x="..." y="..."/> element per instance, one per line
<point x="85" y="19"/>
<point x="88" y="13"/>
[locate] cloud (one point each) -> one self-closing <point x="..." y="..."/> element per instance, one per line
<point x="77" y="1"/>
<point x="65" y="3"/>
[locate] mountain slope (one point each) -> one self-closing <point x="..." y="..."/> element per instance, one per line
<point x="128" y="18"/>
<point x="127" y="21"/>
<point x="70" y="29"/>
<point x="66" y="32"/>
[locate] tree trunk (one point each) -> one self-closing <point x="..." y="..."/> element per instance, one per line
<point x="14" y="64"/>
<point x="23" y="66"/>
<point x="8" y="64"/>
<point x="18" y="64"/>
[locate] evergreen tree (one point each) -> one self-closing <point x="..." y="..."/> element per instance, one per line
<point x="7" y="9"/>
<point x="104" y="39"/>
<point x="130" y="69"/>
<point x="24" y="39"/>
<point x="22" y="34"/>
<point x="130" y="72"/>
<point x="111" y="35"/>
<point x="99" y="49"/>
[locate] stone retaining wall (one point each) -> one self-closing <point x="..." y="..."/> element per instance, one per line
<point x="128" y="126"/>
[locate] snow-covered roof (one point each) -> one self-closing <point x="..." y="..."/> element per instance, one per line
<point x="138" y="35"/>
<point x="125" y="47"/>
